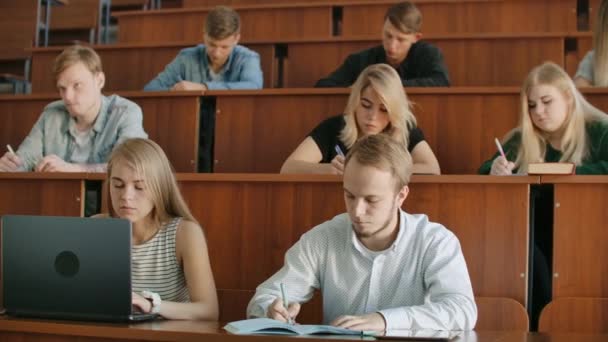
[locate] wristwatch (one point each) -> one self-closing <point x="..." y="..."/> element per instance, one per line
<point x="154" y="298"/>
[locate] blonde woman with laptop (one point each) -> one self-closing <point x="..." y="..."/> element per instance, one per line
<point x="171" y="273"/>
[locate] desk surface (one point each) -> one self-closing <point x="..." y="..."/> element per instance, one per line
<point x="13" y="329"/>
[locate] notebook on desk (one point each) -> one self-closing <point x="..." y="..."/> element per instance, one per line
<point x="67" y="268"/>
<point x="267" y="326"/>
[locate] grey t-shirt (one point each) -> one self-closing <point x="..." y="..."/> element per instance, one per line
<point x="585" y="68"/>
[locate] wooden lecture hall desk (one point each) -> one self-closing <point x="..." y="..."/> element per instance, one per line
<point x="19" y="330"/>
<point x="250" y="220"/>
<point x="55" y="194"/>
<point x="170" y="118"/>
<point x="334" y="18"/>
<point x="471" y="59"/>
<point x="580" y="237"/>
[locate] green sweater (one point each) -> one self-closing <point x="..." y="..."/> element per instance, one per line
<point x="596" y="162"/>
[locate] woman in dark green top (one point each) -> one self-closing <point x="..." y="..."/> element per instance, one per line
<point x="557" y="124"/>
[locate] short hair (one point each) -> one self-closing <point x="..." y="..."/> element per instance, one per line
<point x="405" y="16"/>
<point x="385" y="80"/>
<point x="384" y="153"/>
<point x="77" y="54"/>
<point x="222" y="22"/>
<point x="148" y="159"/>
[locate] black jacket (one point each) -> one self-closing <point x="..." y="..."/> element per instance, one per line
<point x="423" y="67"/>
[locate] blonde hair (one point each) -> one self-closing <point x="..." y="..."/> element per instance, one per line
<point x="222" y="22"/>
<point x="574" y="144"/>
<point x="150" y="162"/>
<point x="77" y="54"/>
<point x="383" y="153"/>
<point x="600" y="47"/>
<point x="405" y="17"/>
<point x="387" y="84"/>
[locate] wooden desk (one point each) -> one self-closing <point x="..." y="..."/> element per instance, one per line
<point x="467" y="16"/>
<point x="250" y="220"/>
<point x="170" y="118"/>
<point x="366" y="17"/>
<point x="258" y="22"/>
<point x="579" y="236"/>
<point x="471" y="59"/>
<point x="257" y="130"/>
<point x="14" y="329"/>
<point x="54" y="194"/>
<point x="131" y="66"/>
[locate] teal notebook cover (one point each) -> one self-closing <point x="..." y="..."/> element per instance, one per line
<point x="273" y="327"/>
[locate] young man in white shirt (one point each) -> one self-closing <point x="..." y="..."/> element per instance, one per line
<point x="378" y="267"/>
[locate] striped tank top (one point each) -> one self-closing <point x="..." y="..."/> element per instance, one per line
<point x="154" y="266"/>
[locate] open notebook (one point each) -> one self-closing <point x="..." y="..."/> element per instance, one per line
<point x="274" y="327"/>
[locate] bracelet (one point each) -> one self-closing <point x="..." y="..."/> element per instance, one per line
<point x="154" y="298"/>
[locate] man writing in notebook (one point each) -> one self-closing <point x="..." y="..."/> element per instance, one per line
<point x="378" y="267"/>
<point x="418" y="63"/>
<point x="220" y="63"/>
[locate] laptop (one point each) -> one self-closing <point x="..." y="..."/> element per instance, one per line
<point x="68" y="268"/>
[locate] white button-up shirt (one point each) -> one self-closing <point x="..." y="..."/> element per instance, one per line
<point x="420" y="282"/>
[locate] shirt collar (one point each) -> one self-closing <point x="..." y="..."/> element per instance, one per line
<point x="100" y="120"/>
<point x="391" y="249"/>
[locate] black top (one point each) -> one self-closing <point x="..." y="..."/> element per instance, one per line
<point x="422" y="67"/>
<point x="327" y="135"/>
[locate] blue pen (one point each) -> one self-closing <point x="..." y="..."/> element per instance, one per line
<point x="339" y="151"/>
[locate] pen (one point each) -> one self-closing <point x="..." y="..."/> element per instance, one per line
<point x="285" y="303"/>
<point x="502" y="153"/>
<point x="339" y="151"/>
<point x="10" y="149"/>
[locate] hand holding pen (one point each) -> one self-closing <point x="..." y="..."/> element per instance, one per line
<point x="337" y="164"/>
<point x="10" y="162"/>
<point x="501" y="166"/>
<point x="283" y="311"/>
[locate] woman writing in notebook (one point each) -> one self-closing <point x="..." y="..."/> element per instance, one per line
<point x="171" y="273"/>
<point x="557" y="124"/>
<point x="377" y="104"/>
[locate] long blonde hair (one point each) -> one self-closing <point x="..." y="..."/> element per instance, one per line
<point x="149" y="161"/>
<point x="387" y="84"/>
<point x="600" y="47"/>
<point x="574" y="142"/>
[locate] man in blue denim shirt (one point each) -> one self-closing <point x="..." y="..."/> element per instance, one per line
<point x="78" y="133"/>
<point x="218" y="64"/>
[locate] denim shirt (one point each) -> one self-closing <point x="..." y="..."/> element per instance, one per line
<point x="118" y="119"/>
<point x="241" y="71"/>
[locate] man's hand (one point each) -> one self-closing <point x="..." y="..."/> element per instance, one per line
<point x="187" y="85"/>
<point x="277" y="311"/>
<point x="52" y="163"/>
<point x="369" y="322"/>
<point x="10" y="162"/>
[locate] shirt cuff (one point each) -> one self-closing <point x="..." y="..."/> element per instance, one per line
<point x="396" y="318"/>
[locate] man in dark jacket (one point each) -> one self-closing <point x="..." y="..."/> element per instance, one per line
<point x="419" y="64"/>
